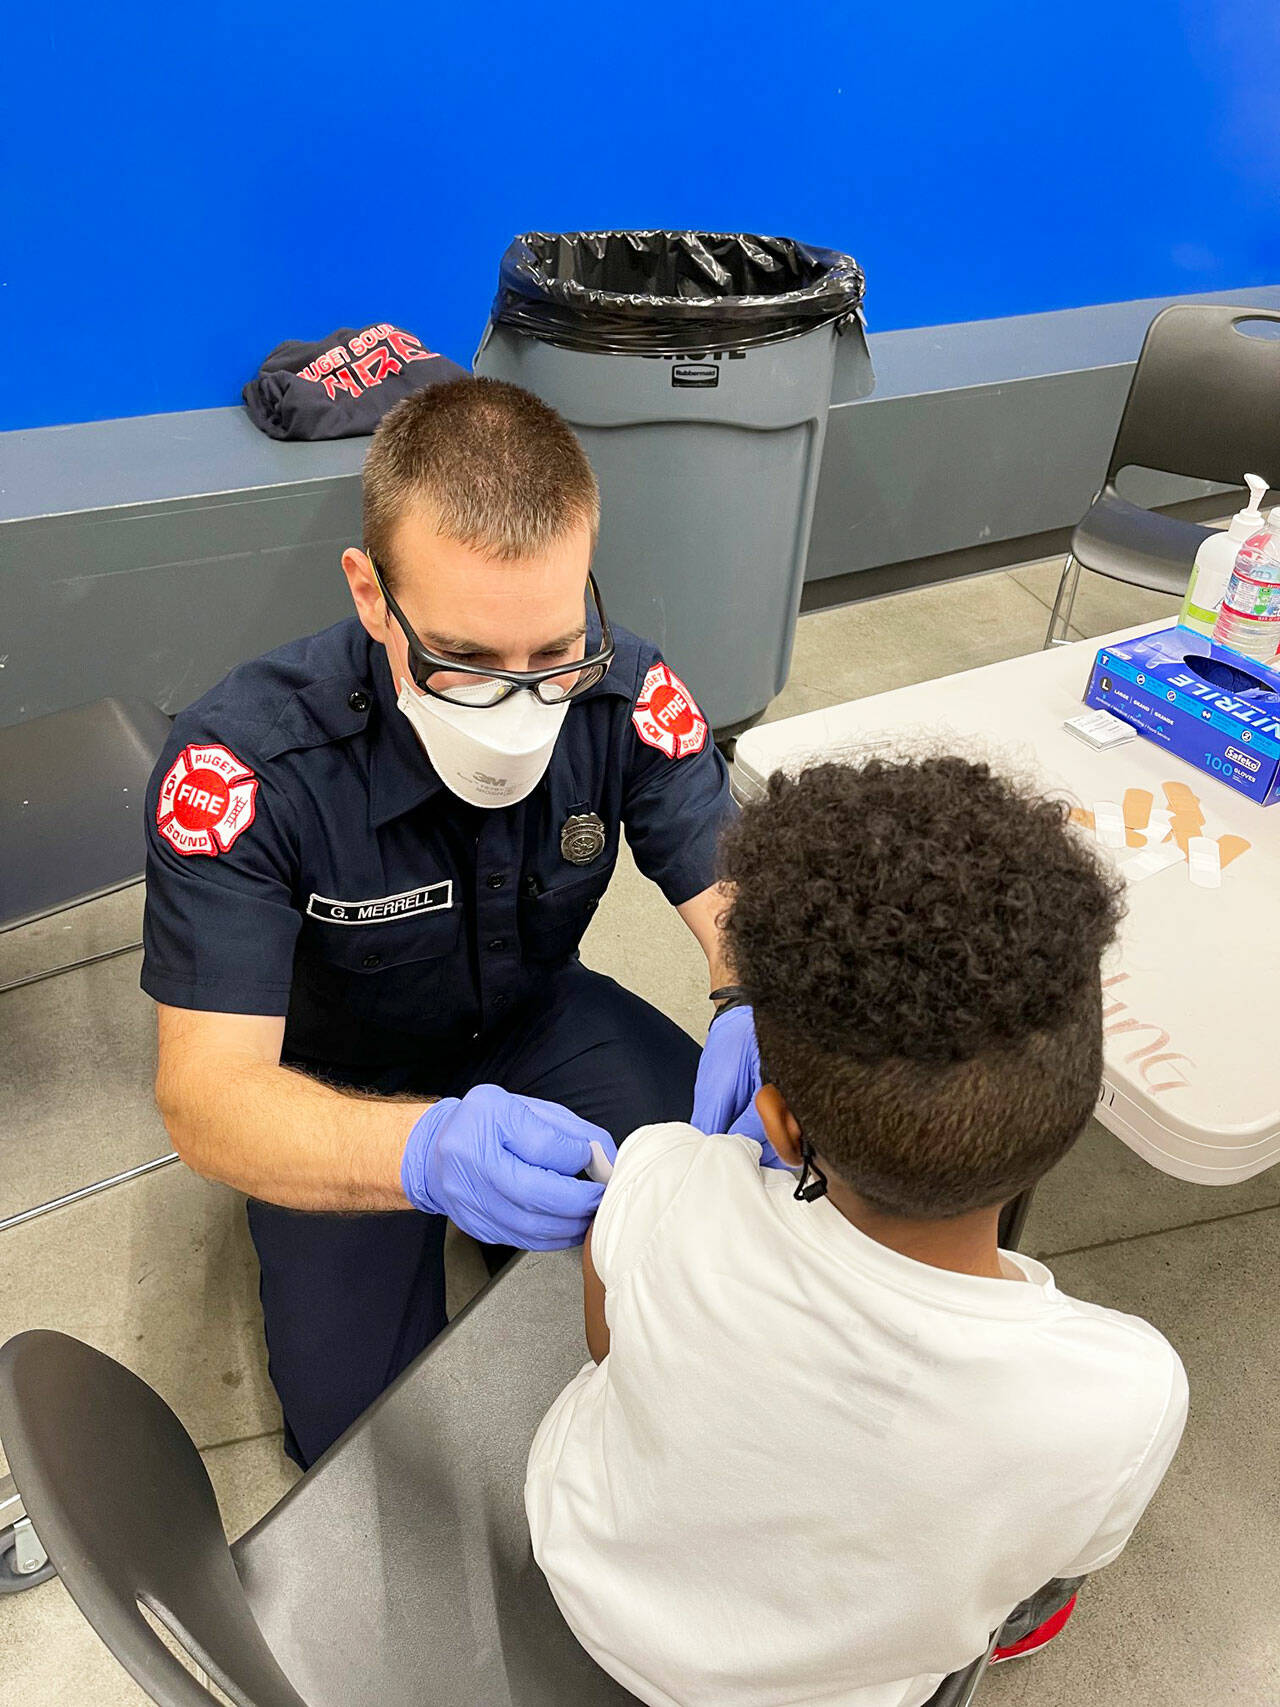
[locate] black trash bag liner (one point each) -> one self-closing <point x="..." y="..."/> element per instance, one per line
<point x="667" y="292"/>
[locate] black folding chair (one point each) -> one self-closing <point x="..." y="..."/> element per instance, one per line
<point x="1204" y="402"/>
<point x="397" y="1571"/>
<point x="72" y="787"/>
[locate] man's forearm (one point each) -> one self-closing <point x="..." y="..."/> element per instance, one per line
<point x="279" y="1135"/>
<point x="702" y="915"/>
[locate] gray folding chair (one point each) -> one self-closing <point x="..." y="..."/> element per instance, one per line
<point x="72" y="787"/>
<point x="1204" y="402"/>
<point x="397" y="1571"/>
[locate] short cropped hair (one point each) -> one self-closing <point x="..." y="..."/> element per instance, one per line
<point x="921" y="943"/>
<point x="495" y="468"/>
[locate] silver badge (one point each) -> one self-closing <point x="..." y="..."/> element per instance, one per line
<point x="582" y="837"/>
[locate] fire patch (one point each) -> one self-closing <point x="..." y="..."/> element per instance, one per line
<point x="667" y="717"/>
<point x="206" y="800"/>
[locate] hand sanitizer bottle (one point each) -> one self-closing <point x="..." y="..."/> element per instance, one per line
<point x="1249" y="620"/>
<point x="1215" y="561"/>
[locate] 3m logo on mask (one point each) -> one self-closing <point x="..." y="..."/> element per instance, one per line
<point x="491" y="756"/>
<point x="667" y="716"/>
<point x="382" y="909"/>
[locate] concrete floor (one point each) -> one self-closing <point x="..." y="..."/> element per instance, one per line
<point x="161" y="1274"/>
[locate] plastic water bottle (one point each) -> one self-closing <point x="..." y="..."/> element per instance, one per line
<point x="1249" y="621"/>
<point x="1215" y="560"/>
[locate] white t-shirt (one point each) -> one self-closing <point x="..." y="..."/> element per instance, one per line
<point x="814" y="1471"/>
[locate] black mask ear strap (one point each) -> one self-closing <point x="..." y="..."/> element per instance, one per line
<point x="808" y="1190"/>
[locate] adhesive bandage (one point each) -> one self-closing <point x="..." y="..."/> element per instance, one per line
<point x="1158" y="825"/>
<point x="1108" y="823"/>
<point x="1204" y="865"/>
<point x="1151" y="860"/>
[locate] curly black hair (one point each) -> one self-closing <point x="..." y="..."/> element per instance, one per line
<point x="920" y="940"/>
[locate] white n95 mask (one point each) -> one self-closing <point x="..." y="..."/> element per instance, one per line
<point x="487" y="755"/>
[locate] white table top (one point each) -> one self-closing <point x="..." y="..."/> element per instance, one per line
<point x="1192" y="992"/>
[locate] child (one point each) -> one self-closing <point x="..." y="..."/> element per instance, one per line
<point x="833" y="1435"/>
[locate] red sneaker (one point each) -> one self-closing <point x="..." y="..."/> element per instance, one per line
<point x="1032" y="1643"/>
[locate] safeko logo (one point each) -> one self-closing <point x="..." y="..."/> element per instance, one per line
<point x="1248" y="760"/>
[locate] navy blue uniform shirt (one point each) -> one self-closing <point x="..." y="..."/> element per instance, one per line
<point x="304" y="859"/>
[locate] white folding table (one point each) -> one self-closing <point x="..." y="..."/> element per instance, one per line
<point x="1192" y="990"/>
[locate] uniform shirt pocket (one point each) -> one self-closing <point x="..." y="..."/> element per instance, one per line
<point x="380" y="946"/>
<point x="553" y="920"/>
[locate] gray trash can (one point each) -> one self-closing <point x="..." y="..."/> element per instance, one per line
<point x="697" y="369"/>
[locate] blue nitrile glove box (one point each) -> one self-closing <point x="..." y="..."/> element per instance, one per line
<point x="1215" y="709"/>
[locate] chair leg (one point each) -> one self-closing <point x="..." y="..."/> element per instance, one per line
<point x="24" y="1215"/>
<point x="1060" y="617"/>
<point x="1013" y="1218"/>
<point x="23" y="1561"/>
<point x="961" y="1687"/>
<point x="70" y="966"/>
<point x="976" y="1681"/>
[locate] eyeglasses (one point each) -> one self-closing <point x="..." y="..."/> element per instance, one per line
<point x="445" y="678"/>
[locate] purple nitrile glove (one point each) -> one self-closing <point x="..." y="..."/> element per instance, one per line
<point x="749" y="1125"/>
<point x="503" y="1168"/>
<point x="729" y="1072"/>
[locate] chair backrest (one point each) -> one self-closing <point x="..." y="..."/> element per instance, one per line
<point x="1205" y="396"/>
<point x="121" y="1500"/>
<point x="399" y="1569"/>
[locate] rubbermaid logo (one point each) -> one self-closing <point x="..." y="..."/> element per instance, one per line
<point x="1245" y="759"/>
<point x="692" y="373"/>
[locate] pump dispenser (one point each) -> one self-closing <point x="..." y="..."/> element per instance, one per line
<point x="1216" y="559"/>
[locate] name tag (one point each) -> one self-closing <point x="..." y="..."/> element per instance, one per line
<point x="382" y="909"/>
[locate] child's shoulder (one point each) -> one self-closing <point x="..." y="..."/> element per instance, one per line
<point x="674" y="1144"/>
<point x="1131" y="1345"/>
<point x="663" y="1171"/>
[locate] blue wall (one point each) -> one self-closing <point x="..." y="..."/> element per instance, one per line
<point x="185" y="186"/>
